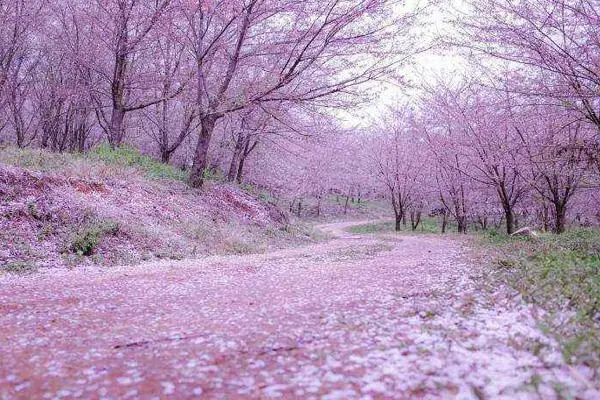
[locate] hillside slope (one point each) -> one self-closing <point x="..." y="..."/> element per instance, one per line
<point x="112" y="208"/>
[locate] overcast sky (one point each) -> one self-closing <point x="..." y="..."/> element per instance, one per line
<point x="424" y="67"/>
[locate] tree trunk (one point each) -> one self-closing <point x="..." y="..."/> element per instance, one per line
<point x="234" y="165"/>
<point x="560" y="218"/>
<point x="240" y="172"/>
<point x="319" y="206"/>
<point x="444" y="222"/>
<point x="165" y="156"/>
<point x="510" y="220"/>
<point x="415" y="220"/>
<point x="165" y="153"/>
<point x="115" y="133"/>
<point x="545" y="219"/>
<point x="399" y="218"/>
<point x="46" y="132"/>
<point x="462" y="224"/>
<point x="81" y="136"/>
<point x="196" y="179"/>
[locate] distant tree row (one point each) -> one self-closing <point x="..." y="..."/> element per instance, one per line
<point x="516" y="139"/>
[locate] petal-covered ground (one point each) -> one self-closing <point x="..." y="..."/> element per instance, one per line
<point x="356" y="317"/>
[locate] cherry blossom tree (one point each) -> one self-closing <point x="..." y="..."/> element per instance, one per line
<point x="488" y="140"/>
<point x="122" y="33"/>
<point x="557" y="161"/>
<point x="19" y="21"/>
<point x="553" y="46"/>
<point x="399" y="162"/>
<point x="304" y="60"/>
<point x="452" y="184"/>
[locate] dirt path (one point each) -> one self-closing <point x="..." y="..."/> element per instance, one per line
<point x="356" y="317"/>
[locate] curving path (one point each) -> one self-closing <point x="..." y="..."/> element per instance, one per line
<point x="368" y="317"/>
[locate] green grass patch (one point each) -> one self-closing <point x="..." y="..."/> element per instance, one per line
<point x="121" y="157"/>
<point x="498" y="238"/>
<point x="560" y="273"/>
<point x="427" y="225"/>
<point x="37" y="159"/>
<point x="371" y="228"/>
<point x="128" y="156"/>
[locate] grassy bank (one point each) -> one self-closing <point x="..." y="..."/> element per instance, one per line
<point x="100" y="160"/>
<point x="118" y="206"/>
<point x="561" y="274"/>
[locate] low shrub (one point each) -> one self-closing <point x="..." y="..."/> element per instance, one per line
<point x="87" y="239"/>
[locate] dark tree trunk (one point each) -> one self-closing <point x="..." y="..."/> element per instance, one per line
<point x="45" y="135"/>
<point x="398" y="226"/>
<point x="240" y="172"/>
<point x="560" y="218"/>
<point x="235" y="159"/>
<point x="115" y="127"/>
<point x="545" y="218"/>
<point x="80" y="138"/>
<point x="247" y="149"/>
<point x="319" y="206"/>
<point x="415" y="220"/>
<point x="115" y="133"/>
<point x="196" y="179"/>
<point x="399" y="211"/>
<point x="165" y="156"/>
<point x="165" y="152"/>
<point x="462" y="224"/>
<point x="510" y="220"/>
<point x="444" y="222"/>
<point x="483" y="223"/>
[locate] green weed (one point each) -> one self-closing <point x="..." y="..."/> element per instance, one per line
<point x="131" y="157"/>
<point x="87" y="239"/>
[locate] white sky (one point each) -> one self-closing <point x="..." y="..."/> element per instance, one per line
<point x="425" y="66"/>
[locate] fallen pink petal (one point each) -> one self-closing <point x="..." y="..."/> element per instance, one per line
<point x="316" y="199"/>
